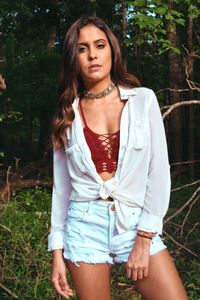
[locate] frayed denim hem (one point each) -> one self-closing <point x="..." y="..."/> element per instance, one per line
<point x="89" y="259"/>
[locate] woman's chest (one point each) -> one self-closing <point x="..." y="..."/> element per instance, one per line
<point x="102" y="119"/>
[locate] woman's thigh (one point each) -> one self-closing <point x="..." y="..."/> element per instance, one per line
<point x="91" y="281"/>
<point x="163" y="281"/>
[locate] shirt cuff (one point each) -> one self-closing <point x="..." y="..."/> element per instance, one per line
<point x="55" y="240"/>
<point x="150" y="223"/>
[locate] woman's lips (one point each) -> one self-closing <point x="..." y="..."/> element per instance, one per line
<point x="94" y="68"/>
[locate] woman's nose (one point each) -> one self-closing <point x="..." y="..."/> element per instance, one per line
<point x="92" y="55"/>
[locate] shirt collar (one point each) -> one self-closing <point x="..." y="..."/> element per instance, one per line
<point x="126" y="93"/>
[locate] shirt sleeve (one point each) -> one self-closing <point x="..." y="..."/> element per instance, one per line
<point x="159" y="180"/>
<point x="60" y="199"/>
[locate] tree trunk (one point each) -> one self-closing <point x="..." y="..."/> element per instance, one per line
<point x="52" y="37"/>
<point x="53" y="25"/>
<point x="29" y="136"/>
<point x="124" y="33"/>
<point x="174" y="73"/>
<point x="190" y="67"/>
<point x="92" y="7"/>
<point x="44" y="136"/>
<point x="44" y="120"/>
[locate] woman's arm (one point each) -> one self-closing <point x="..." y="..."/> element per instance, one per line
<point x="60" y="202"/>
<point x="156" y="198"/>
<point x="60" y="199"/>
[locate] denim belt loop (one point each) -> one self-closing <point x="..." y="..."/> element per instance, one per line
<point x="90" y="207"/>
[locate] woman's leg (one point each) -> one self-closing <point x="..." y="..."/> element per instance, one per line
<point x="163" y="281"/>
<point x="91" y="281"/>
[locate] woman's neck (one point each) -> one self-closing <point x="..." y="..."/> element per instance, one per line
<point x="97" y="87"/>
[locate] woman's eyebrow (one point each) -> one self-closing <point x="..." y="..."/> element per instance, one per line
<point x="85" y="43"/>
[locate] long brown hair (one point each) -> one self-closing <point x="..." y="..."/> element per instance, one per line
<point x="71" y="83"/>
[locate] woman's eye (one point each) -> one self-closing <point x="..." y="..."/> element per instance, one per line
<point x="100" y="46"/>
<point x="82" y="49"/>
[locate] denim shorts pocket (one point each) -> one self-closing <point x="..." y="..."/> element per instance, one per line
<point x="129" y="217"/>
<point x="77" y="211"/>
<point x="134" y="216"/>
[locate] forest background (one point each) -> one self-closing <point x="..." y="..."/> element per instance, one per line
<point x="160" y="45"/>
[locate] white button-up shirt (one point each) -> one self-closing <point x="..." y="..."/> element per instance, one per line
<point x="142" y="177"/>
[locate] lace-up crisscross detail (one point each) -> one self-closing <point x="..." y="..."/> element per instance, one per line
<point x="104" y="148"/>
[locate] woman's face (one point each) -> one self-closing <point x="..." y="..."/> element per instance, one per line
<point x="94" y="49"/>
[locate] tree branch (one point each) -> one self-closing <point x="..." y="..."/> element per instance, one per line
<point x="8" y="291"/>
<point x="178" y="104"/>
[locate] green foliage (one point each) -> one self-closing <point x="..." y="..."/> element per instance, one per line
<point x="25" y="262"/>
<point x="15" y="116"/>
<point x="2" y="117"/>
<point x="166" y="45"/>
<point x="24" y="257"/>
<point x="192" y="279"/>
<point x="149" y="21"/>
<point x="31" y="68"/>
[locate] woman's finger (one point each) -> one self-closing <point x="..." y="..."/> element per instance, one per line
<point x="66" y="290"/>
<point x="128" y="271"/>
<point x="64" y="284"/>
<point x="146" y="271"/>
<point x="134" y="274"/>
<point x="58" y="288"/>
<point x="140" y="273"/>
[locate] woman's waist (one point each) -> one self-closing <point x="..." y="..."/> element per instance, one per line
<point x="110" y="199"/>
<point x="94" y="194"/>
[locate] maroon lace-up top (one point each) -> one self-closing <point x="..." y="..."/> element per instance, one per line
<point x="104" y="147"/>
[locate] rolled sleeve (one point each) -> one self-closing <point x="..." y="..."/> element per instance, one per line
<point x="55" y="240"/>
<point x="150" y="223"/>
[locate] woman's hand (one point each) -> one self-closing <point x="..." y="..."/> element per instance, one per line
<point x="58" y="275"/>
<point x="137" y="266"/>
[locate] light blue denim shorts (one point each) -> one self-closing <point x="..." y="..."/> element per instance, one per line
<point x="91" y="235"/>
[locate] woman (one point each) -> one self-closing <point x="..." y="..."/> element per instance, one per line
<point x="111" y="174"/>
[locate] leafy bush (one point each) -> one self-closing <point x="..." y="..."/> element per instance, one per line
<point x="25" y="262"/>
